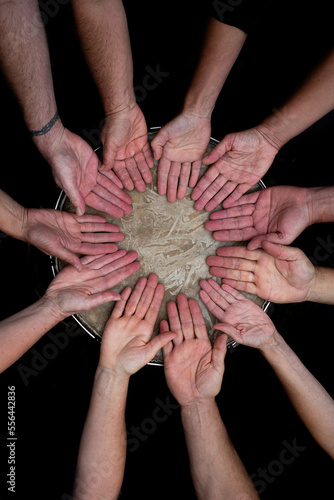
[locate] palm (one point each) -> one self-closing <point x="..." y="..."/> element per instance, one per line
<point x="184" y="139"/>
<point x="189" y="371"/>
<point x="238" y="163"/>
<point x="281" y="280"/>
<point x="126" y="149"/>
<point x="278" y="211"/>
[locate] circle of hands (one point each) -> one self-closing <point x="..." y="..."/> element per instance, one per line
<point x="267" y="219"/>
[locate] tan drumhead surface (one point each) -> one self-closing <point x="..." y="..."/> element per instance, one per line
<point x="171" y="241"/>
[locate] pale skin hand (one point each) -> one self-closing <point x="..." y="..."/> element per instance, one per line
<point x="238" y="162"/>
<point x="240" y="317"/>
<point x="75" y="169"/>
<point x="126" y="149"/>
<point x="193" y="369"/>
<point x="127" y="343"/>
<point x="276" y="273"/>
<point x="71" y="292"/>
<point x="64" y="235"/>
<point x="278" y="214"/>
<point x="180" y="146"/>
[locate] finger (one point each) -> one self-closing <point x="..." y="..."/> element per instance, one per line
<point x="91" y="227"/>
<point x="217" y="152"/>
<point x="239" y="211"/>
<point x="195" y="170"/>
<point x="242" y="286"/>
<point x="153" y="311"/>
<point x="147" y="152"/>
<point x="124" y="176"/>
<point x="257" y="242"/>
<point x="112" y="199"/>
<point x="200" y="330"/>
<point x="120" y="305"/>
<point x="118" y="275"/>
<point x="238" y="251"/>
<point x="229" y="330"/>
<point x="143" y="167"/>
<point x="227" y="293"/>
<point x="135" y="296"/>
<point x="219" y="352"/>
<point x="110" y="174"/>
<point x="100" y="261"/>
<point x="101" y="237"/>
<point x="234" y="234"/>
<point x="211" y="305"/>
<point x="163" y="171"/>
<point x="281" y="252"/>
<point x="70" y="257"/>
<point x="185" y="317"/>
<point x="229" y="223"/>
<point x="164" y="327"/>
<point x="227" y="188"/>
<point x="89" y="218"/>
<point x="235" y="264"/>
<point x="147" y="296"/>
<point x="158" y="143"/>
<point x="76" y="199"/>
<point x="95" y="201"/>
<point x="111" y="188"/>
<point x="158" y="342"/>
<point x="246" y="199"/>
<point x="213" y="291"/>
<point x="172" y="181"/>
<point x="174" y="322"/>
<point x="236" y="194"/>
<point x="99" y="298"/>
<point x="97" y="248"/>
<point x="135" y="174"/>
<point x="206" y="180"/>
<point x="183" y="180"/>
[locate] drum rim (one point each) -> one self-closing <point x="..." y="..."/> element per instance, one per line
<point x="96" y="337"/>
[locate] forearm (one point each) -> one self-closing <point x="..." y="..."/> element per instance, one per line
<point x="22" y="330"/>
<point x="313" y="100"/>
<point x="322" y="287"/>
<point x="102" y="452"/>
<point x="103" y="30"/>
<point x="216" y="468"/>
<point x="312" y="403"/>
<point x="320" y="200"/>
<point x="25" y="60"/>
<point x="12" y="216"/>
<point x="221" y="48"/>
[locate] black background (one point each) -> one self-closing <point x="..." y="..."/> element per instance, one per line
<point x="289" y="39"/>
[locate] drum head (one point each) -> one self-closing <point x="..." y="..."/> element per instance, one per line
<point x="171" y="241"/>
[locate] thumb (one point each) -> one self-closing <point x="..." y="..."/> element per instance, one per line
<point x="229" y="330"/>
<point x="218" y="151"/>
<point x="257" y="241"/>
<point x="158" y="343"/>
<point x="158" y="143"/>
<point x="219" y="351"/>
<point x="278" y="251"/>
<point x="70" y="257"/>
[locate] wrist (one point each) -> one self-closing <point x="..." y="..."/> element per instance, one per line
<point x="126" y="105"/>
<point x="273" y="344"/>
<point x="111" y="374"/>
<point x="199" y="406"/>
<point x="46" y="143"/>
<point x="198" y="106"/>
<point x="320" y="201"/>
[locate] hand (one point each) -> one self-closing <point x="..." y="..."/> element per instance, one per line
<point x="276" y="273"/>
<point x="126" y="342"/>
<point x="75" y="169"/>
<point x="71" y="292"/>
<point x="241" y="318"/>
<point x="180" y="146"/>
<point x="239" y="161"/>
<point x="64" y="235"/>
<point x="126" y="149"/>
<point x="193" y="369"/>
<point x="278" y="214"/>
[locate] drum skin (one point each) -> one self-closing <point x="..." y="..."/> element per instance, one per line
<point x="171" y="241"/>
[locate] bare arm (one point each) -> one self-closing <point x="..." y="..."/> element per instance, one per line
<point x="216" y="468"/>
<point x="313" y="100"/>
<point x="309" y="398"/>
<point x="12" y="216"/>
<point x="102" y="455"/>
<point x="221" y="47"/>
